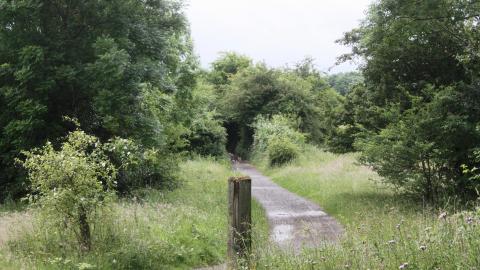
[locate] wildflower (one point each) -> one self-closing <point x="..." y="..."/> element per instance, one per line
<point x="442" y="215"/>
<point x="469" y="220"/>
<point x="423" y="247"/>
<point x="403" y="266"/>
<point x="391" y="242"/>
<point x="398" y="226"/>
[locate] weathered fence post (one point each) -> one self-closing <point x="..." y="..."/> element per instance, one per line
<point x="240" y="220"/>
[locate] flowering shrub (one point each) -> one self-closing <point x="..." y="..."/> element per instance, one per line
<point x="71" y="184"/>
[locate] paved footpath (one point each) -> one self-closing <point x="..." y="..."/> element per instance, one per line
<point x="295" y="222"/>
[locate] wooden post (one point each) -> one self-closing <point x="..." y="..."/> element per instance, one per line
<point x="240" y="220"/>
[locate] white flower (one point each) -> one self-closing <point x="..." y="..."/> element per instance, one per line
<point x="403" y="266"/>
<point x="469" y="220"/>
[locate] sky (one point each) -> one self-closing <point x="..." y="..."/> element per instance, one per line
<point x="277" y="32"/>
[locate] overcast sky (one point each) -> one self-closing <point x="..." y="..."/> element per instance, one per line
<point x="278" y="32"/>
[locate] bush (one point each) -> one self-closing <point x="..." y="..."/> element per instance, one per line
<point x="72" y="184"/>
<point x="282" y="151"/>
<point x="207" y="137"/>
<point x="424" y="151"/>
<point x="140" y="167"/>
<point x="277" y="139"/>
<point x="342" y="139"/>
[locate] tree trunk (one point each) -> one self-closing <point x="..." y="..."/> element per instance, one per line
<point x="85" y="239"/>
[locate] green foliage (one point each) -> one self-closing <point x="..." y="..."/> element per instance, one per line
<point x="299" y="92"/>
<point x="226" y="66"/>
<point x="358" y="119"/>
<point x="140" y="167"/>
<point x="277" y="139"/>
<point x="183" y="228"/>
<point x="423" y="151"/>
<point x="207" y="136"/>
<point x="111" y="65"/>
<point x="413" y="44"/>
<point x="344" y="82"/>
<point x="70" y="185"/>
<point x="383" y="230"/>
<point x="415" y="115"/>
<point x="282" y="151"/>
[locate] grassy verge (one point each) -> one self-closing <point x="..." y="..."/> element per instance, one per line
<point x="180" y="229"/>
<point x="383" y="231"/>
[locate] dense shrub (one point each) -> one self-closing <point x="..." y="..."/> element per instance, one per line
<point x="140" y="167"/>
<point x="419" y="105"/>
<point x="277" y="139"/>
<point x="72" y="184"/>
<point x="282" y="151"/>
<point x="424" y="150"/>
<point x="206" y="135"/>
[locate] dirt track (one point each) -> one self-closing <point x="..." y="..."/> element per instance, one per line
<point x="295" y="222"/>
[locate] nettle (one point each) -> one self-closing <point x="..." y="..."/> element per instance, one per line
<point x="72" y="184"/>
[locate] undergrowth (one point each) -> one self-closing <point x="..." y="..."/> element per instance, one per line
<point x="179" y="229"/>
<point x="383" y="230"/>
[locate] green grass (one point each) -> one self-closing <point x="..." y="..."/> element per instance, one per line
<point x="186" y="228"/>
<point x="179" y="229"/>
<point x="383" y="230"/>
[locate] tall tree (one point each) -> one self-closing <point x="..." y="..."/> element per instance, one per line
<point x="106" y="63"/>
<point x="419" y="105"/>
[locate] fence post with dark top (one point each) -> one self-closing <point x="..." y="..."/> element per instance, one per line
<point x="240" y="219"/>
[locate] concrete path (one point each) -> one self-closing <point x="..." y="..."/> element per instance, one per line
<point x="294" y="221"/>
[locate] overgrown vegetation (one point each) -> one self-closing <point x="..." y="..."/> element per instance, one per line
<point x="416" y="116"/>
<point x="178" y="229"/>
<point x="71" y="186"/>
<point x="345" y="82"/>
<point x="252" y="90"/>
<point x="121" y="68"/>
<point x="277" y="140"/>
<point x="384" y="230"/>
<point x="121" y="195"/>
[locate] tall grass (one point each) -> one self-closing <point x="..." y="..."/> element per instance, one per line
<point x="187" y="227"/>
<point x="180" y="229"/>
<point x="383" y="230"/>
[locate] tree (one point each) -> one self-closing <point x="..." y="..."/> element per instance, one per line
<point x="102" y="62"/>
<point x="424" y="152"/>
<point x="412" y="44"/>
<point x="418" y="109"/>
<point x="344" y="82"/>
<point x="226" y="66"/>
<point x="260" y="90"/>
